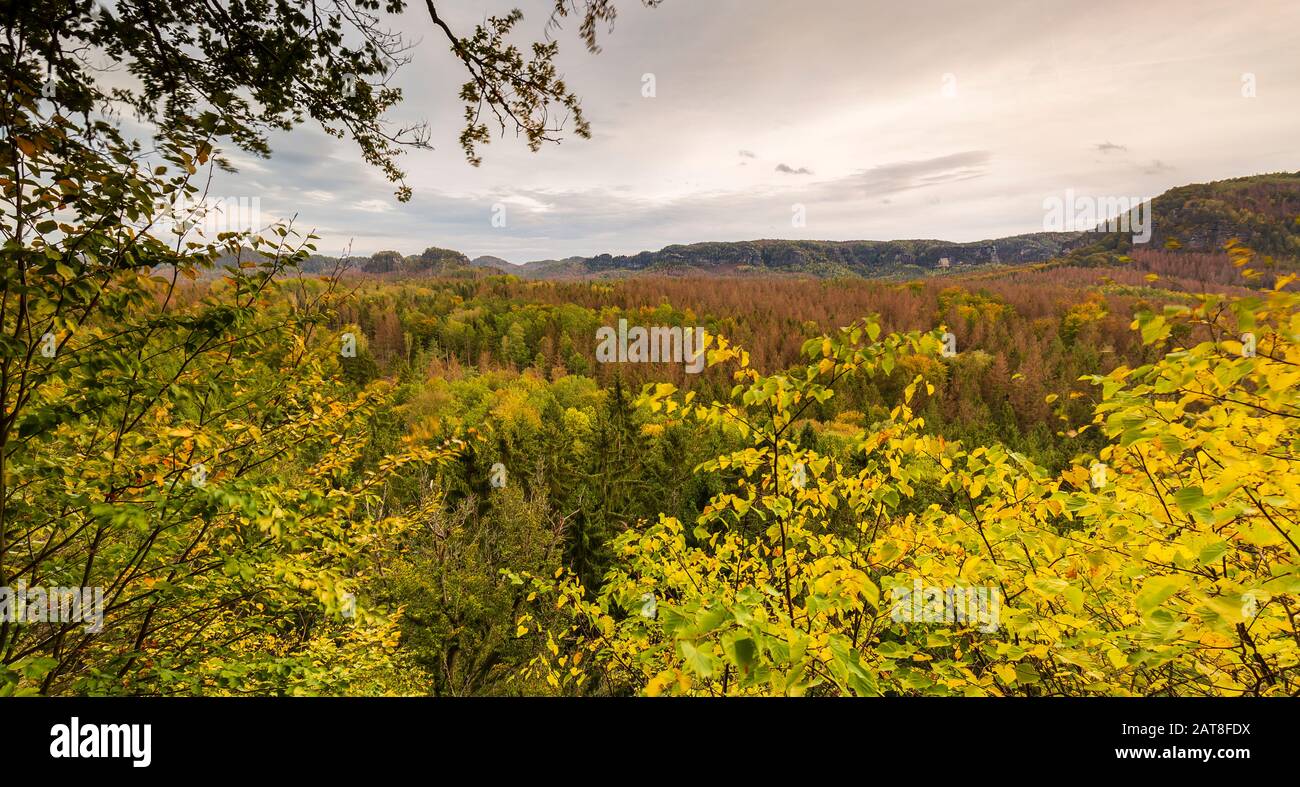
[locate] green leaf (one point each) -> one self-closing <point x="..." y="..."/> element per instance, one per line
<point x="742" y="650"/>
<point x="1153" y="327"/>
<point x="696" y="659"/>
<point x="1157" y="589"/>
<point x="1190" y="498"/>
<point x="1212" y="552"/>
<point x="1026" y="672"/>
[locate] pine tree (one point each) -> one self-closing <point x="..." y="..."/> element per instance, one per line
<point x="613" y="488"/>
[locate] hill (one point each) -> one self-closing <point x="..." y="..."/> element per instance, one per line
<point x="824" y="259"/>
<point x="1263" y="211"/>
<point x="494" y="263"/>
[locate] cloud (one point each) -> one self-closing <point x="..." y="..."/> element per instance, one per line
<point x="748" y="154"/>
<point x="908" y="175"/>
<point x="1157" y="167"/>
<point x="553" y="221"/>
<point x="1110" y="147"/>
<point x="596" y="220"/>
<point x="789" y="170"/>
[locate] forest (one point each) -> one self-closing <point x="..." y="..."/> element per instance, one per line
<point x="468" y="502"/>
<point x="289" y="474"/>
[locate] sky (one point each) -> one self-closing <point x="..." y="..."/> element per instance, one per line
<point x="943" y="119"/>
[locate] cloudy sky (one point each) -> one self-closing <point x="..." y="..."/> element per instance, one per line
<point x="920" y="119"/>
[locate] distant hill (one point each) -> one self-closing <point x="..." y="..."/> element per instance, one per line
<point x="496" y="263"/>
<point x="554" y="269"/>
<point x="826" y="259"/>
<point x="433" y="261"/>
<point x="1263" y="211"/>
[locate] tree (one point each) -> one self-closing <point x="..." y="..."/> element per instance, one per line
<point x="613" y="486"/>
<point x="462" y="612"/>
<point x="146" y="384"/>
<point x="214" y="501"/>
<point x="236" y="70"/>
<point x="1167" y="564"/>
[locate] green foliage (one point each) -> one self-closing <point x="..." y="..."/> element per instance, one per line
<point x="192" y="449"/>
<point x="459" y="608"/>
<point x="1175" y="573"/>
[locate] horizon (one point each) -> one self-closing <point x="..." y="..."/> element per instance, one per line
<point x="707" y="241"/>
<point x="947" y="138"/>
